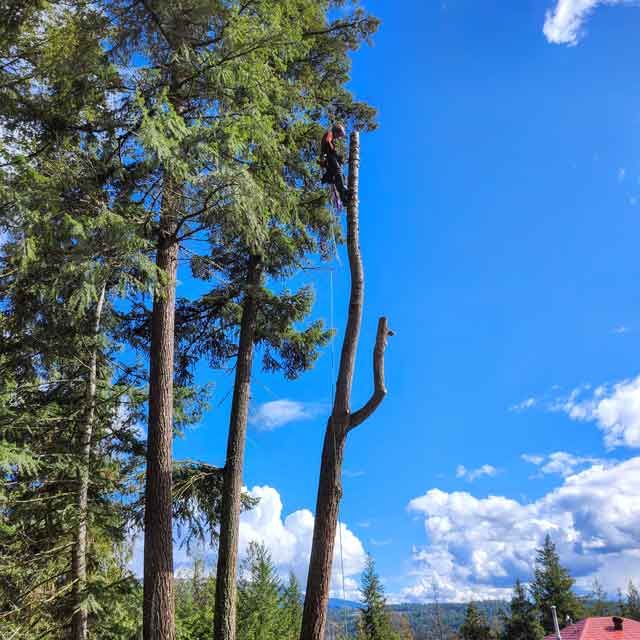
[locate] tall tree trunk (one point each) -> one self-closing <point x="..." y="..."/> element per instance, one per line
<point x="158" y="601"/>
<point x="341" y="422"/>
<point x="79" y="559"/>
<point x="225" y="609"/>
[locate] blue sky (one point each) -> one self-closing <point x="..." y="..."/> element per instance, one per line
<point x="500" y="220"/>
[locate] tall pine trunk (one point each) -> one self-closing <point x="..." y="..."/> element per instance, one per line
<point x="225" y="609"/>
<point x="158" y="600"/>
<point x="79" y="559"/>
<point x="341" y="422"/>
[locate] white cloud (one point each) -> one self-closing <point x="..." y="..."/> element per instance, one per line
<point x="563" y="25"/>
<point x="349" y="473"/>
<point x="529" y="403"/>
<point x="380" y="543"/>
<point x="287" y="538"/>
<point x="477" y="547"/>
<point x="614" y="408"/>
<point x="276" y="413"/>
<point x="622" y="173"/>
<point x="474" y="474"/>
<point x="563" y="463"/>
<point x="620" y="330"/>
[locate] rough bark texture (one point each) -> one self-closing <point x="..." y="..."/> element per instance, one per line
<point x="79" y="559"/>
<point x="341" y="422"/>
<point x="225" y="609"/>
<point x="158" y="602"/>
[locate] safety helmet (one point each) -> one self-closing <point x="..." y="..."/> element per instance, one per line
<point x="338" y="130"/>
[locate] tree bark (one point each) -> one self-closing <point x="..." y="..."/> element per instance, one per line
<point x="79" y="558"/>
<point x="225" y="609"/>
<point x="158" y="601"/>
<point x="314" y="616"/>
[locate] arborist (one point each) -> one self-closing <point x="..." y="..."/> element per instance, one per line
<point x="331" y="161"/>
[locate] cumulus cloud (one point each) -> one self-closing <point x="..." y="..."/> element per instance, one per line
<point x="288" y="538"/>
<point x="477" y="547"/>
<point x="614" y="408"/>
<point x="564" y="24"/>
<point x="276" y="413"/>
<point x="474" y="474"/>
<point x="532" y="458"/>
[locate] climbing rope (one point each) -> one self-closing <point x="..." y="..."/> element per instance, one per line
<point x="332" y="386"/>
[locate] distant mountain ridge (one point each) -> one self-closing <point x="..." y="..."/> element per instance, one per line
<point x="421" y="617"/>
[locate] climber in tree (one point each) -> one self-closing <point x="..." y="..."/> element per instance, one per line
<point x="331" y="161"/>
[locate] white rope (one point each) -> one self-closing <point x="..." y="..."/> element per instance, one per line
<point x="332" y="387"/>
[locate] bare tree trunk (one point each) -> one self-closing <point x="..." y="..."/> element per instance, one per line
<point x="158" y="601"/>
<point x="225" y="609"/>
<point x="341" y="422"/>
<point x="79" y="559"/>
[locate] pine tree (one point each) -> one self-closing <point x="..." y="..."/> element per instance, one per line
<point x="475" y="625"/>
<point x="522" y="622"/>
<point x="375" y="621"/>
<point x="259" y="590"/>
<point x="552" y="585"/>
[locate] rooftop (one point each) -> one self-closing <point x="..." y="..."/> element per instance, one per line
<point x="599" y="629"/>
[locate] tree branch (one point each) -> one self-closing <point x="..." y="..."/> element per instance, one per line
<point x="379" y="389"/>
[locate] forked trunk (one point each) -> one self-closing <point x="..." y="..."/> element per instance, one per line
<point x="225" y="609"/>
<point x="158" y="601"/>
<point x="342" y="420"/>
<point x="79" y="559"/>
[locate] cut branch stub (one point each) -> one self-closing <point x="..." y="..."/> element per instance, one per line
<point x="379" y="389"/>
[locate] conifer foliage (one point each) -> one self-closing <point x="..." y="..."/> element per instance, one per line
<point x="523" y="620"/>
<point x="375" y="621"/>
<point x="137" y="139"/>
<point x="475" y="625"/>
<point x="268" y="609"/>
<point x="553" y="586"/>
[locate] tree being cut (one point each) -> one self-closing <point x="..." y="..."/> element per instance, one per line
<point x="342" y="421"/>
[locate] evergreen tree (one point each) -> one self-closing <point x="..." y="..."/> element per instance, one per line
<point x="632" y="602"/>
<point x="259" y="590"/>
<point x="552" y="585"/>
<point x="522" y="622"/>
<point x="67" y="254"/>
<point x="475" y="625"/>
<point x="597" y="600"/>
<point x="375" y="621"/>
<point x="291" y="604"/>
<point x="194" y="604"/>
<point x="225" y="154"/>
